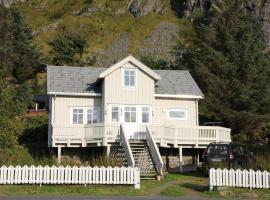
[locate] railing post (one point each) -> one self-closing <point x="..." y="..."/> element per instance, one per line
<point x="181" y="159"/>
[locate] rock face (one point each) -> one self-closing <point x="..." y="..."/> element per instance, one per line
<point x="114" y="53"/>
<point x="143" y="7"/>
<point x="7" y="3"/>
<point x="160" y="44"/>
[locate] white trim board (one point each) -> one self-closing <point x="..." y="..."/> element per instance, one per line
<point x="75" y="94"/>
<point x="134" y="61"/>
<point x="178" y="96"/>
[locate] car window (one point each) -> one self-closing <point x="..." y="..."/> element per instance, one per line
<point x="217" y="149"/>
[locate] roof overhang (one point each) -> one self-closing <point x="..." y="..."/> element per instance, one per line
<point x="136" y="62"/>
<point x="181" y="96"/>
<point x="75" y="94"/>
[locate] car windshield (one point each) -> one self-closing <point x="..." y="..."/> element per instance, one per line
<point x="217" y="149"/>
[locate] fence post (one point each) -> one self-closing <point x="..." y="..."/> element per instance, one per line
<point x="137" y="178"/>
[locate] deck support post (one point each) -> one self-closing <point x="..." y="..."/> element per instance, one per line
<point x="181" y="159"/>
<point x="108" y="150"/>
<point x="59" y="154"/>
<point x="198" y="157"/>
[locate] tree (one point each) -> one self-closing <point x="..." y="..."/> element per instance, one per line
<point x="67" y="48"/>
<point x="226" y="53"/>
<point x="12" y="110"/>
<point x="17" y="51"/>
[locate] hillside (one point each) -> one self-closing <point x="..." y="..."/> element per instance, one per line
<point x="113" y="29"/>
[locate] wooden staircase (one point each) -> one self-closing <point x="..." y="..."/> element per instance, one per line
<point x="143" y="158"/>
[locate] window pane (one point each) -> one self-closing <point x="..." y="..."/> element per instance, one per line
<point x="132" y="73"/>
<point x="126" y="73"/>
<point x="127" y="116"/>
<point x="145" y="117"/>
<point x="77" y="116"/>
<point x="96" y="115"/>
<point x="126" y="80"/>
<point x="74" y="117"/>
<point x="115" y="114"/>
<point x="131" y="81"/>
<point x="133" y="117"/>
<point x="177" y="114"/>
<point x="80" y="118"/>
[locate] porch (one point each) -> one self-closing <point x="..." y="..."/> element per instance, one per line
<point x="163" y="135"/>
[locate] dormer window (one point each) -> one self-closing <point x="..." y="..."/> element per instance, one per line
<point x="129" y="78"/>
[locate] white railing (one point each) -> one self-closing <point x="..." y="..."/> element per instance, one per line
<point x="238" y="178"/>
<point x="163" y="134"/>
<point x="125" y="143"/>
<point x="154" y="152"/>
<point x="70" y="175"/>
<point x="189" y="135"/>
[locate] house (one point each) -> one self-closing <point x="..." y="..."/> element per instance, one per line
<point x="145" y="112"/>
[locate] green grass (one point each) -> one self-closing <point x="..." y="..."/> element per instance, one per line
<point x="101" y="28"/>
<point x="188" y="184"/>
<point x="173" y="191"/>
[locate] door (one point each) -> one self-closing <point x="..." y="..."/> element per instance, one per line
<point x="130" y="120"/>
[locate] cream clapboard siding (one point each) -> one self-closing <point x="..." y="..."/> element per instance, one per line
<point x="160" y="114"/>
<point x="114" y="92"/>
<point x="63" y="105"/>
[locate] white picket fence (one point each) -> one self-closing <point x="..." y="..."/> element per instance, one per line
<point x="238" y="178"/>
<point x="70" y="175"/>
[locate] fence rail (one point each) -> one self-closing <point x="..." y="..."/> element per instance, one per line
<point x="70" y="175"/>
<point x="239" y="178"/>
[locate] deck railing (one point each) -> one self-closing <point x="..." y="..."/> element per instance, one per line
<point x="162" y="134"/>
<point x="158" y="162"/>
<point x="125" y="143"/>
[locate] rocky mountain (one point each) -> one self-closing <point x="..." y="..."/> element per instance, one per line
<point x="116" y="28"/>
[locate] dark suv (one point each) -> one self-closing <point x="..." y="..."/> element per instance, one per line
<point x="228" y="156"/>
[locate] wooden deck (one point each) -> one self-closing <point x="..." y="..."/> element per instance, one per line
<point x="163" y="135"/>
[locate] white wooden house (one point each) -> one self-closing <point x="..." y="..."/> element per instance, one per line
<point x="130" y="105"/>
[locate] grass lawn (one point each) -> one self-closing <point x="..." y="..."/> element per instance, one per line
<point x="190" y="184"/>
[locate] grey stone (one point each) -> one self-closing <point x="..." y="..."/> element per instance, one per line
<point x="161" y="42"/>
<point x="140" y="8"/>
<point x="115" y="52"/>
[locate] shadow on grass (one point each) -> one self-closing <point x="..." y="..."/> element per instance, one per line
<point x="195" y="187"/>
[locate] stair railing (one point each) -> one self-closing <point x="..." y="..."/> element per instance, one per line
<point x="158" y="162"/>
<point x="125" y="143"/>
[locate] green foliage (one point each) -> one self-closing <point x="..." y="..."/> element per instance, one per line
<point x="225" y="51"/>
<point x="156" y="63"/>
<point x="17" y="52"/>
<point x="67" y="48"/>
<point x="12" y="110"/>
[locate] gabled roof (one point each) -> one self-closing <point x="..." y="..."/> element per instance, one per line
<point x="62" y="80"/>
<point x="133" y="60"/>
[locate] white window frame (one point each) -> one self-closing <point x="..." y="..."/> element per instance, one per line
<point x="85" y="114"/>
<point x="71" y="115"/>
<point x="119" y="113"/>
<point x="135" y="78"/>
<point x="150" y="114"/>
<point x="177" y="109"/>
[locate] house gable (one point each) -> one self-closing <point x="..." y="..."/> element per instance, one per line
<point x="130" y="59"/>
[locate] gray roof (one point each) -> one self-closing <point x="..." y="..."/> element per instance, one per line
<point x="62" y="79"/>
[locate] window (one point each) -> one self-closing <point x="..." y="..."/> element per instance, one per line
<point x="129" y="78"/>
<point x="145" y="114"/>
<point x="115" y="114"/>
<point x="130" y="114"/>
<point x="178" y="114"/>
<point x="85" y="115"/>
<point x="77" y="116"/>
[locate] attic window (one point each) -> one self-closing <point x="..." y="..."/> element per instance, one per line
<point x="129" y="78"/>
